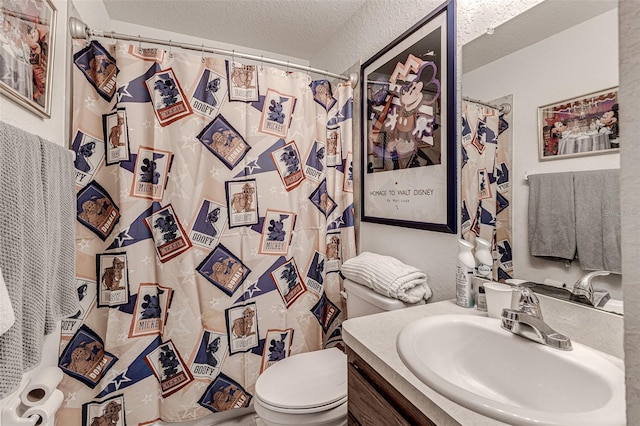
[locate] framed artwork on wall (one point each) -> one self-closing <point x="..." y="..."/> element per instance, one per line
<point x="27" y="30"/>
<point x="585" y="125"/>
<point x="409" y="127"/>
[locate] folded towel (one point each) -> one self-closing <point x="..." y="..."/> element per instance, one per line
<point x="36" y="246"/>
<point x="7" y="316"/>
<point x="388" y="276"/>
<point x="552" y="220"/>
<point x="597" y="201"/>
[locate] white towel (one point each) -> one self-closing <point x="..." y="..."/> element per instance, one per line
<point x="7" y="316"/>
<point x="388" y="276"/>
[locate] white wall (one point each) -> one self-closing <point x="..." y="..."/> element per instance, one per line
<point x="52" y="129"/>
<point x="580" y="60"/>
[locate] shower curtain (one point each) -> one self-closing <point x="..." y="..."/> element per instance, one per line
<point x="214" y="209"/>
<point x="485" y="181"/>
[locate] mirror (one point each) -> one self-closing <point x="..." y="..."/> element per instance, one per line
<point x="552" y="52"/>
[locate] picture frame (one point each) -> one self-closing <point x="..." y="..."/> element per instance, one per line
<point x="584" y="125"/>
<point x="408" y="165"/>
<point x="27" y="41"/>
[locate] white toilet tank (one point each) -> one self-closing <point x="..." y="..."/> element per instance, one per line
<point x="361" y="301"/>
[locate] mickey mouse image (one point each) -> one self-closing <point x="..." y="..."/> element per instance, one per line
<point x="277" y="348"/>
<point x="409" y="123"/>
<point x="275" y="109"/>
<point x="276" y="229"/>
<point x="560" y="129"/>
<point x="290" y="158"/>
<point x="167" y="88"/>
<point x="290" y="276"/>
<point x="151" y="306"/>
<point x="169" y="361"/>
<point x="168" y="226"/>
<point x="609" y="123"/>
<point x="149" y="173"/>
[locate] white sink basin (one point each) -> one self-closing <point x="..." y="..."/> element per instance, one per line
<point x="474" y="362"/>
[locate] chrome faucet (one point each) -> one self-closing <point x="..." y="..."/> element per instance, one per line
<point x="584" y="287"/>
<point x="526" y="320"/>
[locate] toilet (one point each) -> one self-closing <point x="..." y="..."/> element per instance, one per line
<point x="311" y="388"/>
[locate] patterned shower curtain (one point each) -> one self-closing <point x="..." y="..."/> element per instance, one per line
<point x="485" y="184"/>
<point x="214" y="209"/>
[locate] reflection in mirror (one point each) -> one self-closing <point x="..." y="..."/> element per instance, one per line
<point x="554" y="51"/>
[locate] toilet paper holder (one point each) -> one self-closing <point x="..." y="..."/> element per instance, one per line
<point x="13" y="410"/>
<point x="35" y="401"/>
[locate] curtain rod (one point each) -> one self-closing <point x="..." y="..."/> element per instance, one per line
<point x="79" y="30"/>
<point x="500" y="108"/>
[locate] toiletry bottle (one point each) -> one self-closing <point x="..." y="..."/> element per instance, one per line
<point x="465" y="265"/>
<point x="481" y="299"/>
<point x="484" y="259"/>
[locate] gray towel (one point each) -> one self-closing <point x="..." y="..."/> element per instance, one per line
<point x="37" y="244"/>
<point x="597" y="200"/>
<point x="552" y="226"/>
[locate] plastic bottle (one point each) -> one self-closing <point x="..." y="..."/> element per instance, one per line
<point x="484" y="259"/>
<point x="465" y="265"/>
<point x="481" y="299"/>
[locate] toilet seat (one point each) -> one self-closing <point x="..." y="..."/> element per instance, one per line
<point x="305" y="383"/>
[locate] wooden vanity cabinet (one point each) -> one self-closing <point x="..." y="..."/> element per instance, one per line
<point x="372" y="401"/>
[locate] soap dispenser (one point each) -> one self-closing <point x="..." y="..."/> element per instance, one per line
<point x="483" y="259"/>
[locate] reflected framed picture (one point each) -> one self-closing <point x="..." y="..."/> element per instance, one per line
<point x="585" y="125"/>
<point x="27" y="30"/>
<point x="409" y="127"/>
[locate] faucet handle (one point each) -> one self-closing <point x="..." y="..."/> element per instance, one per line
<point x="527" y="300"/>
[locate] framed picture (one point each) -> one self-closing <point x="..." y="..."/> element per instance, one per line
<point x="26" y="53"/>
<point x="586" y="125"/>
<point x="409" y="127"/>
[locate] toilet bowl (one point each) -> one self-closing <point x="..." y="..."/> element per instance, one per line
<point x="304" y="389"/>
<point x="311" y="388"/>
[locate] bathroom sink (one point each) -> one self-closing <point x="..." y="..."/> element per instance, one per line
<point x="475" y="363"/>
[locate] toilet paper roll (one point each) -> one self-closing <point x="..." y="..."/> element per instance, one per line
<point x="47" y="410"/>
<point x="41" y="387"/>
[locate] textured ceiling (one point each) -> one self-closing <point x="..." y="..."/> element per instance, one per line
<point x="295" y="28"/>
<point x="541" y="21"/>
<point x="301" y="28"/>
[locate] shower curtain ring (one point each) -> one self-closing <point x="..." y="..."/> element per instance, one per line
<point x="203" y="53"/>
<point x="170" y="49"/>
<point x="287" y="68"/>
<point x="139" y="44"/>
<point x="233" y="57"/>
<point x="261" y="62"/>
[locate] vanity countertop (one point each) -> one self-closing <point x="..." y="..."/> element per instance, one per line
<point x="373" y="338"/>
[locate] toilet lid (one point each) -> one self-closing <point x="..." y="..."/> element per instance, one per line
<point x="305" y="381"/>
